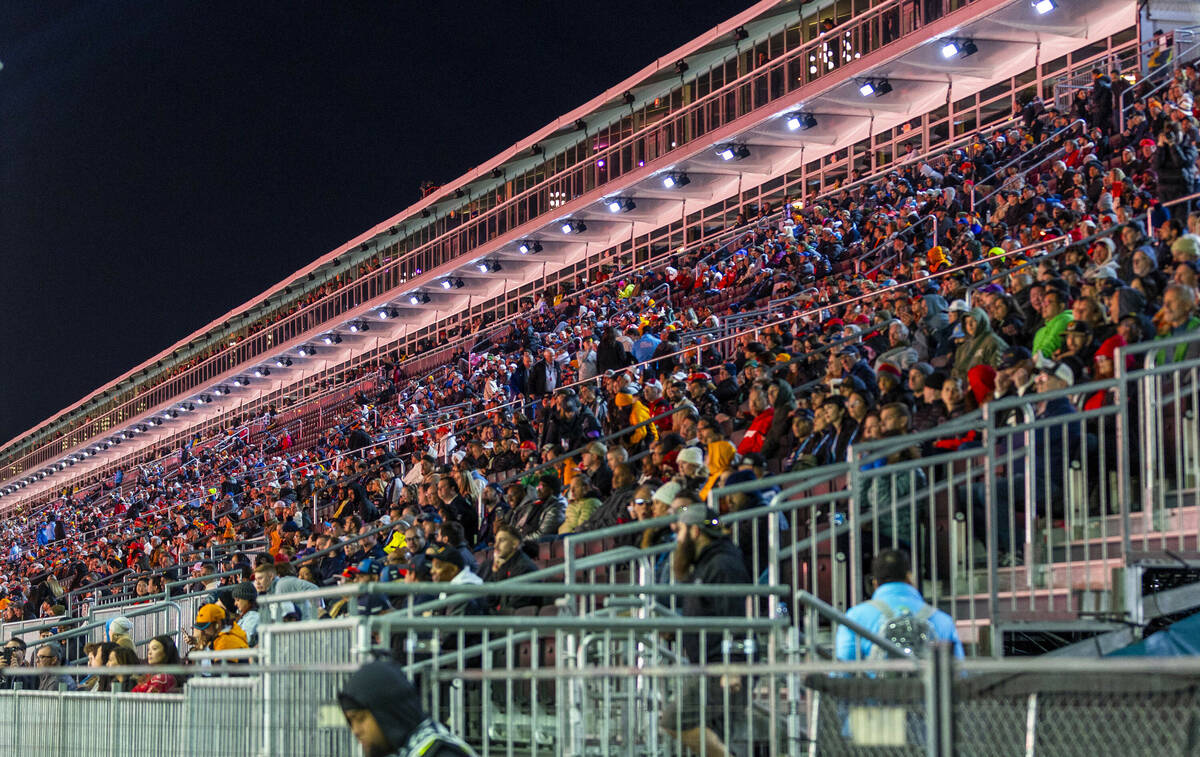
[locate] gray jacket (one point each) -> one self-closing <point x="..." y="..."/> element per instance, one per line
<point x="290" y="585"/>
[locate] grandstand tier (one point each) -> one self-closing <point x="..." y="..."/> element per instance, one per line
<point x="874" y="356"/>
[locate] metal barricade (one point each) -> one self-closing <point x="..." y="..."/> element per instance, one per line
<point x="293" y="701"/>
<point x="71" y="723"/>
<point x="224" y="716"/>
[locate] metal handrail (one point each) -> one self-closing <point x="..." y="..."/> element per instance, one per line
<point x="1020" y="158"/>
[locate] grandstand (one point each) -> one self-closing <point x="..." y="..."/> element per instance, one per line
<point x="615" y="443"/>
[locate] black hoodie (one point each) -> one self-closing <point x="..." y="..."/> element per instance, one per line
<point x="382" y="688"/>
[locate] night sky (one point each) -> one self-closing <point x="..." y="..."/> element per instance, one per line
<point x="162" y="162"/>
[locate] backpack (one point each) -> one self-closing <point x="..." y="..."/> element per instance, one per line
<point x="910" y="632"/>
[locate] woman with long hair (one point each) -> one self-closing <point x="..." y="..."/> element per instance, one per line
<point x="160" y="651"/>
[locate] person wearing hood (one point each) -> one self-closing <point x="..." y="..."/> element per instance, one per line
<point x="383" y="710"/>
<point x="982" y="346"/>
<point x="934" y="334"/>
<point x="721" y="453"/>
<point x="638" y="413"/>
<point x="783" y="400"/>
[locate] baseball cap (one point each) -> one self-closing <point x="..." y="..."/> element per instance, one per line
<point x="450" y="555"/>
<point x="1013" y="355"/>
<point x="1060" y="370"/>
<point x="370" y="567"/>
<point x="703" y="517"/>
<point x="209" y="614"/>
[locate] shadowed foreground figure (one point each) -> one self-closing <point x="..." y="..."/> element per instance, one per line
<point x="384" y="711"/>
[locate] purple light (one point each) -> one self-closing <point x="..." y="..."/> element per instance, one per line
<point x="600" y="163"/>
<point x="641" y="163"/>
<point x="418" y="272"/>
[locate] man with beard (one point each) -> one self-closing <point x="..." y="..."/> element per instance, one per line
<point x="704" y="555"/>
<point x="508" y="561"/>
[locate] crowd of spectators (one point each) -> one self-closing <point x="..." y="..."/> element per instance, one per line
<point x="611" y="403"/>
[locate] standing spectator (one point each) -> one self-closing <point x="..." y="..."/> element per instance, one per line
<point x="544" y="376"/>
<point x="892" y="594"/>
<point x="704" y="555"/>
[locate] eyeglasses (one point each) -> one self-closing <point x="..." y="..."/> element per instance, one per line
<point x="46" y="657"/>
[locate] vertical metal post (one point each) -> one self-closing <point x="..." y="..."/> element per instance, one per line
<point x="852" y="489"/>
<point x="937" y="672"/>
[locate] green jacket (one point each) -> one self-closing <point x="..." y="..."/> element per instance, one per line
<point x="1048" y="338"/>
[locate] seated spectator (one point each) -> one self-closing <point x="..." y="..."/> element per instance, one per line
<point x="614" y="510"/>
<point x="50" y="655"/>
<point x="543" y="510"/>
<point x="215" y="631"/>
<point x="245" y="600"/>
<point x="508" y="561"/>
<point x="268" y="581"/>
<point x="582" y="501"/>
<point x="447" y="567"/>
<point x="161" y="650"/>
<point x="122" y="656"/>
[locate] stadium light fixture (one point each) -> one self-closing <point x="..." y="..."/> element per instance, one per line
<point x="1044" y="6"/>
<point x="573" y="226"/>
<point x="676" y="180"/>
<point x="332" y="338"/>
<point x="958" y="48"/>
<point x="528" y="246"/>
<point x="306" y="351"/>
<point x="733" y="151"/>
<point x="386" y="313"/>
<point x="283" y="362"/>
<point x="877" y="87"/>
<point x="358" y="326"/>
<point x="418" y="298"/>
<point x="800" y="120"/>
<point x="620" y="205"/>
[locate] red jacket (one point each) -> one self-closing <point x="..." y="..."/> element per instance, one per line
<point x="757" y="433"/>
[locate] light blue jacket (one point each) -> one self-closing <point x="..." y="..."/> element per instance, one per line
<point x="898" y="596"/>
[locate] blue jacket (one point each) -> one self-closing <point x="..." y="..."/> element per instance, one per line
<point x="643" y="348"/>
<point x="898" y="596"/>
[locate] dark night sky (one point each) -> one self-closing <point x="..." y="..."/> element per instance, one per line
<point x="162" y="162"/>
